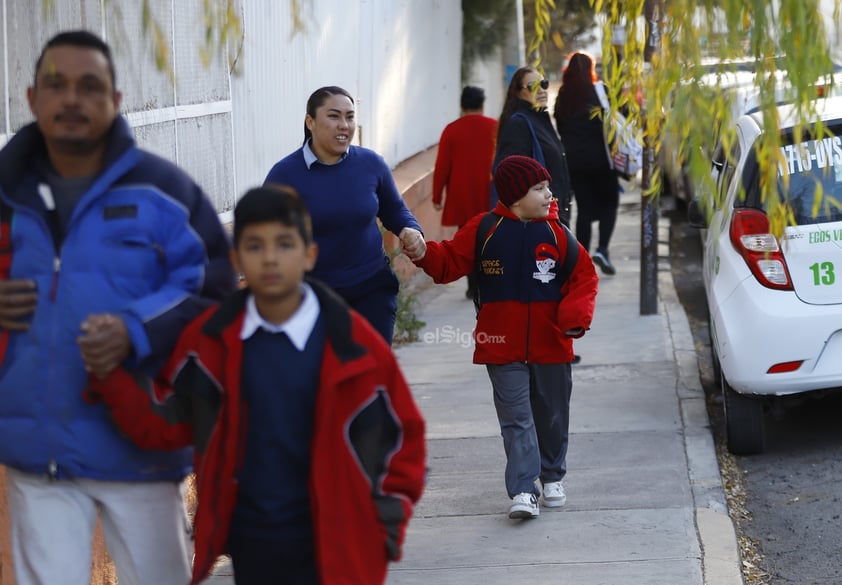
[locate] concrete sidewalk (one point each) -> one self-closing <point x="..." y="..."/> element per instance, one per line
<point x="645" y="503"/>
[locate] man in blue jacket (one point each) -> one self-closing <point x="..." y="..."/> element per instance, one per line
<point x="106" y="252"/>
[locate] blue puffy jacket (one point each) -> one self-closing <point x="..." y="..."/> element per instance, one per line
<point x="143" y="242"/>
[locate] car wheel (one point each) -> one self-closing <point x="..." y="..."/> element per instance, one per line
<point x="744" y="433"/>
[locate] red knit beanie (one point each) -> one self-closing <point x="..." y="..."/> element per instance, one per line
<point x="515" y="175"/>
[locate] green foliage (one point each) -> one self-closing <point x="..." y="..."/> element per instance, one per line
<point x="223" y="31"/>
<point x="785" y="41"/>
<point x="540" y="26"/>
<point x="407" y="324"/>
<point x="485" y="27"/>
<point x="554" y="29"/>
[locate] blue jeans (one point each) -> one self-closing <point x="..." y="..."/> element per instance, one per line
<point x="533" y="409"/>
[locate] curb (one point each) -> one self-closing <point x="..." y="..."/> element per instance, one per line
<point x="717" y="536"/>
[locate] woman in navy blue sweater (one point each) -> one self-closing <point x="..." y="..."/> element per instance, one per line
<point x="346" y="189"/>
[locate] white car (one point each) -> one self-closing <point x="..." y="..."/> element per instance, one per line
<point x="775" y="303"/>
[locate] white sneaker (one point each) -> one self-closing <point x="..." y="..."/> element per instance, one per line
<point x="524" y="506"/>
<point x="553" y="494"/>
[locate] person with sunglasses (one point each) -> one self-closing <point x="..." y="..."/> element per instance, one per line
<point x="525" y="128"/>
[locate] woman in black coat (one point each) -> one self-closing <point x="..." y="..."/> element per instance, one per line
<point x="525" y="106"/>
<point x="578" y="116"/>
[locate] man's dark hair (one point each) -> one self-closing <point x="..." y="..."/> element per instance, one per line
<point x="79" y="38"/>
<point x="473" y="98"/>
<point x="272" y="202"/>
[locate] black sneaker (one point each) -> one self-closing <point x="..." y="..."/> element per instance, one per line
<point x="604" y="263"/>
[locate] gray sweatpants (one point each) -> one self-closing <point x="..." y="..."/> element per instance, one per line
<point x="533" y="408"/>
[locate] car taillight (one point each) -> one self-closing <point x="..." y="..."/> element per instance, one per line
<point x="785" y="367"/>
<point x="751" y="237"/>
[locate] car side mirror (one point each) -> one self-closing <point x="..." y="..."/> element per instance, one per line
<point x="696" y="216"/>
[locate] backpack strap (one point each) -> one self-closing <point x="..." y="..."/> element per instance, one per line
<point x="537" y="151"/>
<point x="571" y="256"/>
<point x="486" y="227"/>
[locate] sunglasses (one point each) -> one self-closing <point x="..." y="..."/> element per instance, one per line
<point x="545" y="83"/>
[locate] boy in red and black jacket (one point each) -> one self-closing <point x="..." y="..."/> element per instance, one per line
<point x="530" y="312"/>
<point x="310" y="450"/>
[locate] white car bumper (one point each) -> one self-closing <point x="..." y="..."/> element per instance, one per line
<point x="756" y="328"/>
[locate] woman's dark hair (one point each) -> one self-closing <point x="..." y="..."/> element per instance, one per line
<point x="78" y="38"/>
<point x="512" y="97"/>
<point x="272" y="202"/>
<point x="317" y="100"/>
<point x="576" y="93"/>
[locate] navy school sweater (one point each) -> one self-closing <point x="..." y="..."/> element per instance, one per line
<point x="273" y="499"/>
<point x="345" y="200"/>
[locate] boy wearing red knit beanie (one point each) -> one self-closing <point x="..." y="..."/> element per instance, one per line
<point x="537" y="288"/>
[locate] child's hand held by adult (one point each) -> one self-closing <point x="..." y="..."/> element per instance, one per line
<point x="104" y="343"/>
<point x="413" y="243"/>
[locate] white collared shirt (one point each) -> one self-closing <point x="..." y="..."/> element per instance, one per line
<point x="310" y="156"/>
<point x="298" y="327"/>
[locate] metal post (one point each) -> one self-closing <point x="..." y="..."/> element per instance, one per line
<point x="653" y="10"/>
<point x="648" y="235"/>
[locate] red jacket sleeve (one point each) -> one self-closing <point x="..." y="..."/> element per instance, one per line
<point x="577" y="305"/>
<point x="157" y="414"/>
<point x="149" y="423"/>
<point x="406" y="471"/>
<point x="450" y="260"/>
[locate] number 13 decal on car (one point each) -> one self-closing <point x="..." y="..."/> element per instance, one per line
<point x="823" y="273"/>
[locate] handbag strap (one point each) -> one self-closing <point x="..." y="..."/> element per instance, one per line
<point x="599" y="87"/>
<point x="537" y="151"/>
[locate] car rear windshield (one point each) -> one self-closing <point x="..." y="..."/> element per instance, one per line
<point x="813" y="169"/>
